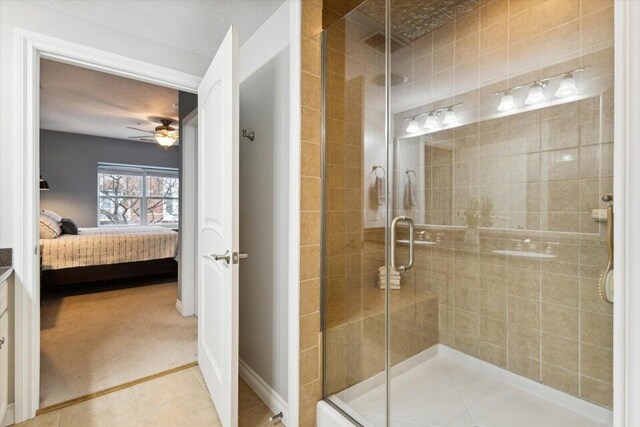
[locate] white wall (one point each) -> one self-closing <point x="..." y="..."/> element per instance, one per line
<point x="30" y="17"/>
<point x="21" y="15"/>
<point x="264" y="201"/>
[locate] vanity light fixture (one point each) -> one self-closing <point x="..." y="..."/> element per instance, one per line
<point x="450" y="117"/>
<point x="507" y="102"/>
<point x="536" y="93"/>
<point x="413" y="126"/>
<point x="567" y="86"/>
<point x="431" y="122"/>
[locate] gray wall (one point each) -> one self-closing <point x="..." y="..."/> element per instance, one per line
<point x="69" y="162"/>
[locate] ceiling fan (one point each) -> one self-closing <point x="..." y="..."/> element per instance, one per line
<point x="165" y="134"/>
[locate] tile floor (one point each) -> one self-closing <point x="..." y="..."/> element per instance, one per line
<point x="439" y="391"/>
<point x="178" y="399"/>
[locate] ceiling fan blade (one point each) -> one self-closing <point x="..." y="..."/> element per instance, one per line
<point x="141" y="130"/>
<point x="139" y="137"/>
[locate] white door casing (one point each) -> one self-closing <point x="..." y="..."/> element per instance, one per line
<point x="217" y="230"/>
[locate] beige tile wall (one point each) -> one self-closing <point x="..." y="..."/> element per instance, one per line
<point x="544" y="171"/>
<point x="541" y="319"/>
<point x="310" y="202"/>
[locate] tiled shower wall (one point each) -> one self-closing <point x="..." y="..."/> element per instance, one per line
<point x="310" y="200"/>
<point x="539" y="318"/>
<point x="315" y="15"/>
<point x="539" y="175"/>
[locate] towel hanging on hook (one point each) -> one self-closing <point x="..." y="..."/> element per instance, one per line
<point x="410" y="189"/>
<point x="379" y="185"/>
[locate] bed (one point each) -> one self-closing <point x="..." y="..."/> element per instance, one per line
<point x="107" y="253"/>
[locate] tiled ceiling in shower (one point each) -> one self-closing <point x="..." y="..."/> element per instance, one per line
<point x="415" y="18"/>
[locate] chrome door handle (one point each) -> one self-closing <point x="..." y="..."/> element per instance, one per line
<point x="394" y="224"/>
<point x="237" y="256"/>
<point x="2" y="341"/>
<point x="226" y="257"/>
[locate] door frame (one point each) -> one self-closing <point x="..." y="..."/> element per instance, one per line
<point x="30" y="47"/>
<point x="626" y="201"/>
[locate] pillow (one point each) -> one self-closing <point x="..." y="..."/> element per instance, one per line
<point x="54" y="216"/>
<point x="68" y="226"/>
<point x="49" y="229"/>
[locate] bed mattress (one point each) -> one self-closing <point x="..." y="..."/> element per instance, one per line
<point x="108" y="245"/>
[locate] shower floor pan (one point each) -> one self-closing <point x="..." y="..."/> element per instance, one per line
<point x="442" y="387"/>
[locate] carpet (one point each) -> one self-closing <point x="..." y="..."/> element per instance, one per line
<point x="90" y="342"/>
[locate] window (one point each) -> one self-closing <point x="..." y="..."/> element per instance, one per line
<point x="137" y="195"/>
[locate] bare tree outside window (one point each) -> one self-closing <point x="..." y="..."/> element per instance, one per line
<point x="137" y="196"/>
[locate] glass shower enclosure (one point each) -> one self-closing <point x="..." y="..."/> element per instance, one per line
<point x="467" y="150"/>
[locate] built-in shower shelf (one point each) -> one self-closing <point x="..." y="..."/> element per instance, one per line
<point x="417" y="242"/>
<point x="523" y="254"/>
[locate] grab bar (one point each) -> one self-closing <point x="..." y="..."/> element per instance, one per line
<point x="394" y="224"/>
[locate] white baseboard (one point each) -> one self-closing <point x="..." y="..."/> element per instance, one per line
<point x="10" y="416"/>
<point x="179" y="306"/>
<point x="268" y="395"/>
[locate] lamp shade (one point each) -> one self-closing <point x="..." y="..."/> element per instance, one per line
<point x="413" y="126"/>
<point x="567" y="87"/>
<point x="507" y="103"/>
<point x="44" y="185"/>
<point x="536" y="94"/>
<point x="165" y="140"/>
<point x="431" y="121"/>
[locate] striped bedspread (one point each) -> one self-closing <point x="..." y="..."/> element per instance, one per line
<point x="108" y="245"/>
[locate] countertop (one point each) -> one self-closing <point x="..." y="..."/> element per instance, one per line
<point x="5" y="272"/>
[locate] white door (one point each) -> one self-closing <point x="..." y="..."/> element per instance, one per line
<point x="217" y="272"/>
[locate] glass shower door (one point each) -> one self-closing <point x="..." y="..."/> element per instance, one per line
<point x="501" y="144"/>
<point x="464" y="224"/>
<point x="355" y="187"/>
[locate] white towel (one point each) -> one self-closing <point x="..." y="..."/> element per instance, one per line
<point x="382" y="285"/>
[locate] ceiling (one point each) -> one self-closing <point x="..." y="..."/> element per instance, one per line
<point x="79" y="100"/>
<point x="415" y="18"/>
<point x="193" y="25"/>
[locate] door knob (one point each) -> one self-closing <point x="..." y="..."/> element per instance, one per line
<point x="2" y="341"/>
<point x="226" y="257"/>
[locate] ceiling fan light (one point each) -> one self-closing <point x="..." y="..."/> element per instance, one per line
<point x="165" y="140"/>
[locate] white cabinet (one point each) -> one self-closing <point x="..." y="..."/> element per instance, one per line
<point x="4" y="349"/>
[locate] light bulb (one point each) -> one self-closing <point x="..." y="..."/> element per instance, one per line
<point x="431" y="122"/>
<point x="413" y="126"/>
<point x="567" y="87"/>
<point x="536" y="94"/>
<point x="165" y="140"/>
<point x="449" y="117"/>
<point x="507" y="102"/>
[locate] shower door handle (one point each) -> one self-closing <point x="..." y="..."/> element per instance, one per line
<point x="394" y="224"/>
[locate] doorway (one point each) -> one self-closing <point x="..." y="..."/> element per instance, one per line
<point x="111" y="182"/>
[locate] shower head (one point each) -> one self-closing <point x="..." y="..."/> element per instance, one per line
<point x="395" y="79"/>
